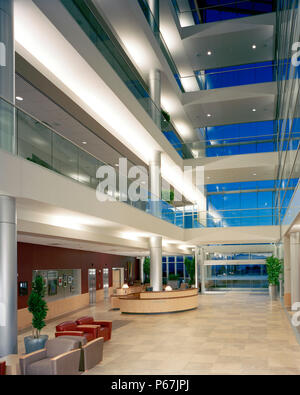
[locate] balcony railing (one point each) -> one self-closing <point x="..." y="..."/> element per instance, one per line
<point x="42" y="145"/>
<point x="227" y="77"/>
<point x="100" y="35"/>
<point x="163" y="46"/>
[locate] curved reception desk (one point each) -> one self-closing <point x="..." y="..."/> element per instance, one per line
<point x="159" y="302"/>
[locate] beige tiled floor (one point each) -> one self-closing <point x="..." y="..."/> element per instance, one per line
<point x="234" y="333"/>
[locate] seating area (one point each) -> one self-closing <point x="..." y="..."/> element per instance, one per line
<point x="77" y="347"/>
<point x="2" y="368"/>
<point x="86" y="327"/>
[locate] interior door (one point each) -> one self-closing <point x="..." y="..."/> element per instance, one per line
<point x="116" y="278"/>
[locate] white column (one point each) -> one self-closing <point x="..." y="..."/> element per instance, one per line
<point x="7" y="76"/>
<point x="8" y="277"/>
<point x="202" y="269"/>
<point x="155" y="94"/>
<point x="142" y="260"/>
<point x="156" y="263"/>
<point x="295" y="266"/>
<point x="196" y="267"/>
<point x="287" y="272"/>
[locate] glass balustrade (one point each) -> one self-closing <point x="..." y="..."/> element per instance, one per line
<point x="230" y="76"/>
<point x="40" y="144"/>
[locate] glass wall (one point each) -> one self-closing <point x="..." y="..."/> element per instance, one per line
<point x="235" y="276"/>
<point x="220" y="10"/>
<point x="288" y="104"/>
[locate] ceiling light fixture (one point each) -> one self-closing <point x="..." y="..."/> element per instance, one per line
<point x="19" y="98"/>
<point x="84" y="142"/>
<point x="253" y="109"/>
<point x="209" y="115"/>
<point x="209" y="53"/>
<point x="253" y="46"/>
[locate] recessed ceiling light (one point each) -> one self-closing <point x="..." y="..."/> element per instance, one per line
<point x="209" y="115"/>
<point x="117" y="164"/>
<point x="254" y="174"/>
<point x="208" y="178"/>
<point x="253" y="46"/>
<point x="19" y="98"/>
<point x="253" y="109"/>
<point x="209" y="53"/>
<point x="84" y="142"/>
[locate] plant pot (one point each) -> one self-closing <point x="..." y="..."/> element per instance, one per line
<point x="273" y="291"/>
<point x="32" y="344"/>
<point x="173" y="284"/>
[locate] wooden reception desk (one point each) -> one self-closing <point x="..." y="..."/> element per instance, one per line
<point x="159" y="302"/>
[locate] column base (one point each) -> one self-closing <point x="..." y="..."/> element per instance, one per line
<point x="287" y="300"/>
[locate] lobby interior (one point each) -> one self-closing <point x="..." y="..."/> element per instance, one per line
<point x="200" y="100"/>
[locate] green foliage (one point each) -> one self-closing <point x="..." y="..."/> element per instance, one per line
<point x="274" y="269"/>
<point x="167" y="196"/>
<point x="147" y="269"/>
<point x="190" y="268"/>
<point x="166" y="115"/>
<point x="37" y="306"/>
<point x="173" y="277"/>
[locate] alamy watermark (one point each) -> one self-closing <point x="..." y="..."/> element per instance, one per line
<point x="295" y="48"/>
<point x="133" y="183"/>
<point x="2" y="55"/>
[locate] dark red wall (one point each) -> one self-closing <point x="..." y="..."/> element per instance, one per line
<point x="38" y="257"/>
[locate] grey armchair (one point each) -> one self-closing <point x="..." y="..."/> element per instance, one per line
<point x="91" y="352"/>
<point x="59" y="357"/>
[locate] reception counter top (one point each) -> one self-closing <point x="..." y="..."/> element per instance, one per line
<point x="159" y="302"/>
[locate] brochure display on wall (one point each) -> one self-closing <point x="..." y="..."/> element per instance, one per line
<point x="60" y="283"/>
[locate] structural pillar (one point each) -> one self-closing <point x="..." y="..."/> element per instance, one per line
<point x="156" y="263"/>
<point x="196" y="268"/>
<point x="295" y="267"/>
<point x="7" y="76"/>
<point x="202" y="269"/>
<point x="8" y="277"/>
<point x="155" y="95"/>
<point x="287" y="272"/>
<point x="142" y="260"/>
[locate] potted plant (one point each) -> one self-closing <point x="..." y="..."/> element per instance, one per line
<point x="190" y="268"/>
<point x="274" y="269"/>
<point x="37" y="306"/>
<point x="168" y="196"/>
<point x="147" y="270"/>
<point x="173" y="280"/>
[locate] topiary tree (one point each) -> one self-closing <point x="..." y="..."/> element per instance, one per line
<point x="190" y="268"/>
<point x="147" y="269"/>
<point x="274" y="269"/>
<point x="37" y="306"/>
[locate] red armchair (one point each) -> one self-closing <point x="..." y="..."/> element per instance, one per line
<point x="105" y="326"/>
<point x="70" y="328"/>
<point x="2" y="368"/>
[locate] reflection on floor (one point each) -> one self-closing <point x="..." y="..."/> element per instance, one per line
<point x="233" y="333"/>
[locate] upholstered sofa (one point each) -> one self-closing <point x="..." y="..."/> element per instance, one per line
<point x="91" y="352"/>
<point x="105" y="326"/>
<point x="70" y="328"/>
<point x="59" y="357"/>
<point x="2" y="368"/>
